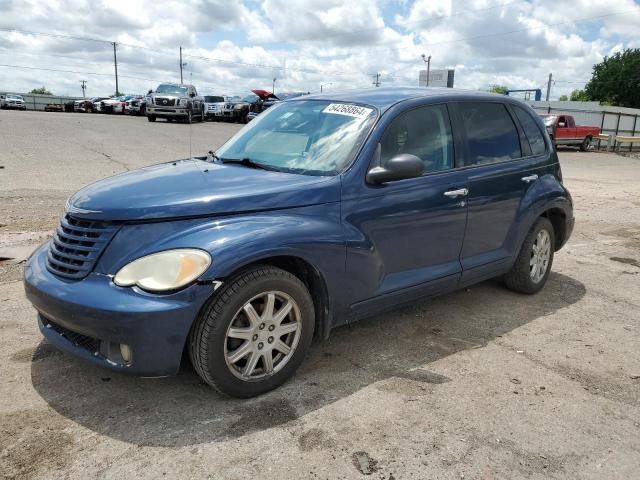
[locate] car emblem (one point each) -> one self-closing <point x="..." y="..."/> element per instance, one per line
<point x="164" y="102"/>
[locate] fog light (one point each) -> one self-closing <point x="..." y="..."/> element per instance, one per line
<point x="125" y="351"/>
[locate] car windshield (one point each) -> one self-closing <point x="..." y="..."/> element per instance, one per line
<point x="549" y="120"/>
<point x="172" y="89"/>
<point x="15" y="97"/>
<point x="251" y="98"/>
<point x="302" y="136"/>
<point x="209" y="99"/>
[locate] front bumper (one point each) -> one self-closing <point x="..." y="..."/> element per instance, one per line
<point x="168" y="111"/>
<point x="92" y="317"/>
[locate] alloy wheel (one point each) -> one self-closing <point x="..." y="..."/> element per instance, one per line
<point x="540" y="255"/>
<point x="263" y="336"/>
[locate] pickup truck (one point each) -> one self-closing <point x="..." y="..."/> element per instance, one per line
<point x="175" y="102"/>
<point x="564" y="131"/>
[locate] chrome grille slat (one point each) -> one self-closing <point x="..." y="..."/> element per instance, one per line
<point x="76" y="246"/>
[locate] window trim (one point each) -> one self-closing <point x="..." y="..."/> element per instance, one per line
<point x="459" y="126"/>
<point x="454" y="143"/>
<point x="542" y="132"/>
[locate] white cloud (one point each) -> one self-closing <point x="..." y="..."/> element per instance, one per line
<point x="232" y="47"/>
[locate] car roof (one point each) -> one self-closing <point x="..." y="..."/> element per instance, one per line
<point x="385" y="97"/>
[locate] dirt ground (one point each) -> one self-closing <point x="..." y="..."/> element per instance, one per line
<point x="481" y="383"/>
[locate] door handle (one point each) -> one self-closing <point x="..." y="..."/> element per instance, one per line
<point x="456" y="193"/>
<point x="530" y="178"/>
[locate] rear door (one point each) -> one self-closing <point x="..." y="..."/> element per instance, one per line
<point x="499" y="166"/>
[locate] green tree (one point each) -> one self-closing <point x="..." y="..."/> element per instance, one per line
<point x="563" y="98"/>
<point x="579" y="96"/>
<point x="498" y="89"/>
<point x="616" y="80"/>
<point x="40" y="91"/>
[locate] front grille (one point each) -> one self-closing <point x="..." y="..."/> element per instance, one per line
<point x="169" y="101"/>
<point x="76" y="245"/>
<point x="90" y="344"/>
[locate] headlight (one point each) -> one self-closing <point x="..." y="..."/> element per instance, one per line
<point x="168" y="270"/>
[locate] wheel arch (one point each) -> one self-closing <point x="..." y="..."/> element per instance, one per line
<point x="310" y="275"/>
<point x="558" y="219"/>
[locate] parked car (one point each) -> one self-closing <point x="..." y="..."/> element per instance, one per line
<point x="251" y="103"/>
<point x="13" y="102"/>
<point x="114" y="104"/>
<point x="329" y="209"/>
<point x="564" y="131"/>
<point x="175" y="102"/>
<point x="136" y="105"/>
<point x="54" y="107"/>
<point x="88" y="105"/>
<point x="217" y="107"/>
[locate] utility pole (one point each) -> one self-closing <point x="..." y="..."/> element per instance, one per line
<point x="427" y="60"/>
<point x="181" y="82"/>
<point x="273" y="89"/>
<point x="549" y="86"/>
<point x="376" y="82"/>
<point x="83" y="83"/>
<point x="115" y="65"/>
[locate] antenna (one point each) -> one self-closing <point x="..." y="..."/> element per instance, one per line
<point x="190" y="129"/>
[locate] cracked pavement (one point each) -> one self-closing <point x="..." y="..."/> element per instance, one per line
<point x="481" y="383"/>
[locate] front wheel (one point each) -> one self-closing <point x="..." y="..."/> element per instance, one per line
<point x="533" y="265"/>
<point x="254" y="333"/>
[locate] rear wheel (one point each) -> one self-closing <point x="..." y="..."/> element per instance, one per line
<point x="254" y="333"/>
<point x="151" y="118"/>
<point x="533" y="265"/>
<point x="586" y="143"/>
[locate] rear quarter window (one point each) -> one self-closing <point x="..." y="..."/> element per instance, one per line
<point x="491" y="135"/>
<point x="531" y="130"/>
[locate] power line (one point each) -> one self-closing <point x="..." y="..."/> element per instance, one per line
<point x="54" y="35"/>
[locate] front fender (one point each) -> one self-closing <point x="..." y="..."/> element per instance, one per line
<point x="313" y="234"/>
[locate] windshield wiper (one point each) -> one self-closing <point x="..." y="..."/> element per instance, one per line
<point x="247" y="162"/>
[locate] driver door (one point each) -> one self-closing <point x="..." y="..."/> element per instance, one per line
<point x="410" y="232"/>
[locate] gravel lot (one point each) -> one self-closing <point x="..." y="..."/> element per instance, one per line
<point x="482" y="383"/>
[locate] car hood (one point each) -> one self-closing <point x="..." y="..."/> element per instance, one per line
<point x="191" y="188"/>
<point x="264" y="94"/>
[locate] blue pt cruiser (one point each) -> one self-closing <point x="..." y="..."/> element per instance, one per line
<point x="323" y="210"/>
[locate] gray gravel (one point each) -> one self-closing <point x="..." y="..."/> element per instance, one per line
<point x="481" y="383"/>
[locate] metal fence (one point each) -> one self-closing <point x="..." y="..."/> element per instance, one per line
<point x="611" y="120"/>
<point x="38" y="102"/>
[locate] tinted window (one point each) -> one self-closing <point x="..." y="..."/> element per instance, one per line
<point x="491" y="134"/>
<point x="424" y="132"/>
<point x="532" y="131"/>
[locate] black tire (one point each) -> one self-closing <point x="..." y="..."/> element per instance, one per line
<point x="151" y="118"/>
<point x="207" y="337"/>
<point x="586" y="143"/>
<point x="519" y="277"/>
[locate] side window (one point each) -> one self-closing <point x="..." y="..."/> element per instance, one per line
<point x="570" y="122"/>
<point x="531" y="130"/>
<point x="491" y="134"/>
<point x="424" y="132"/>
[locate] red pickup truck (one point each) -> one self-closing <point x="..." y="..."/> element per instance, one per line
<point x="564" y="131"/>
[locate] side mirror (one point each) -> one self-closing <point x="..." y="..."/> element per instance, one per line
<point x="562" y="124"/>
<point x="399" y="167"/>
<point x="192" y="94"/>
